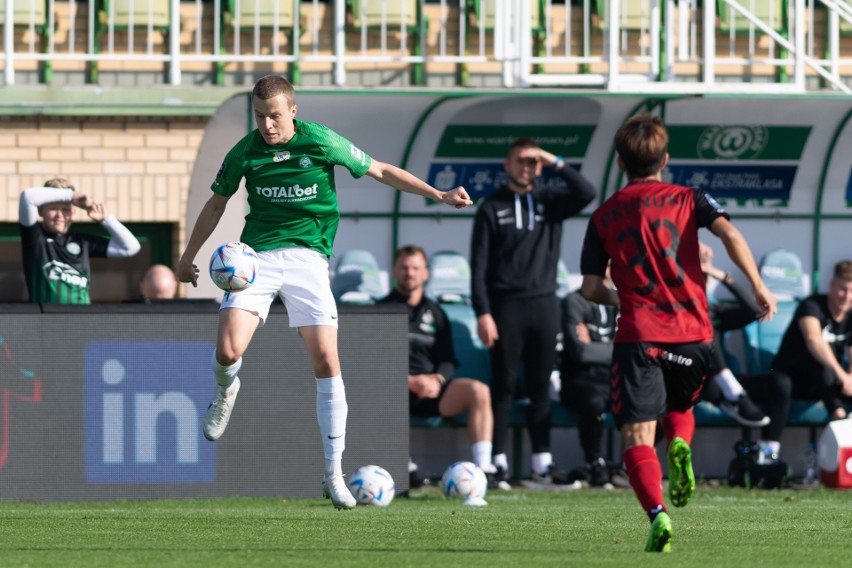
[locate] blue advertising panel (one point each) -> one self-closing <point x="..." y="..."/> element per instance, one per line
<point x="735" y="181"/>
<point x="480" y="179"/>
<point x="144" y="404"/>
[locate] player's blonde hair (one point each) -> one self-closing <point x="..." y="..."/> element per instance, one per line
<point x="59" y="183"/>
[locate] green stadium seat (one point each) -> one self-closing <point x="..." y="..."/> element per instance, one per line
<point x="449" y="278"/>
<point x="762" y="339"/>
<point x="251" y="15"/>
<point x="635" y="15"/>
<point x="26" y="12"/>
<point x="480" y="16"/>
<point x="563" y="280"/>
<point x="371" y="15"/>
<point x="772" y="12"/>
<point x="782" y="272"/>
<point x="32" y="12"/>
<point x="473" y="357"/>
<point x="123" y="16"/>
<point x="357" y="279"/>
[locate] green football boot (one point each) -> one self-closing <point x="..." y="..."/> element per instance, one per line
<point x="660" y="537"/>
<point x="681" y="478"/>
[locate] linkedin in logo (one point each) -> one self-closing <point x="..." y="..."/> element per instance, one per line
<point x="144" y="403"/>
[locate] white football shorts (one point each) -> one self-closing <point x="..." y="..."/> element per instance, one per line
<point x="300" y="277"/>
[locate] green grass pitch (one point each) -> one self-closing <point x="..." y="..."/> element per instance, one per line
<point x="720" y="527"/>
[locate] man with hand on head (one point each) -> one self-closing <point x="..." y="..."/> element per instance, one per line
<point x="515" y="248"/>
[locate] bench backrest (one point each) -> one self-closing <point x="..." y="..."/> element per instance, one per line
<point x="473" y="357"/>
<point x="357" y="278"/>
<point x="782" y="272"/>
<point x="449" y="277"/>
<point x="762" y="339"/>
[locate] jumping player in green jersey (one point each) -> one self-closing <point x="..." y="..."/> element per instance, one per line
<point x="288" y="166"/>
<point x="56" y="260"/>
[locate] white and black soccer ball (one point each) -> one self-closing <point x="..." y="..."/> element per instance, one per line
<point x="234" y="266"/>
<point x="372" y="485"/>
<point x="465" y="480"/>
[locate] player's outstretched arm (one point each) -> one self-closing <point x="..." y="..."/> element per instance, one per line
<point x="740" y="253"/>
<point x="403" y="180"/>
<point x="206" y="223"/>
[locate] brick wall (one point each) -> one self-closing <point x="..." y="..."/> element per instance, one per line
<point x="140" y="167"/>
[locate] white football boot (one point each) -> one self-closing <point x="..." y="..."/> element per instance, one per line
<point x="334" y="488"/>
<point x="219" y="411"/>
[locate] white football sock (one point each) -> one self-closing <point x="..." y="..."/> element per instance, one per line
<point x="731" y="387"/>
<point x="331" y="416"/>
<point x="225" y="375"/>
<point x="482" y="454"/>
<point x="542" y="461"/>
<point x="500" y="460"/>
<point x="773" y="444"/>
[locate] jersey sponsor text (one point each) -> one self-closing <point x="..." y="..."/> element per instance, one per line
<point x="288" y="194"/>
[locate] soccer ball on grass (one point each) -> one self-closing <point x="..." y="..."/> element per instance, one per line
<point x="233" y="266"/>
<point x="372" y="485"/>
<point x="466" y="480"/>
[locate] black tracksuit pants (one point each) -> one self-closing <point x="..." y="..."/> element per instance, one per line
<point x="527" y="328"/>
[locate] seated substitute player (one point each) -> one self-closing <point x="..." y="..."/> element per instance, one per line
<point x="432" y="389"/>
<point x="56" y="260"/>
<point x="588" y="329"/>
<point x="664" y="343"/>
<point x="817" y="343"/>
<point x="288" y="166"/>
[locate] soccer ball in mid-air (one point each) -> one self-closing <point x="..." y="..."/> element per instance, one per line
<point x="466" y="480"/>
<point x="372" y="485"/>
<point x="233" y="266"/>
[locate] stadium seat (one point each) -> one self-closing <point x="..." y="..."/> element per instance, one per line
<point x="124" y="14"/>
<point x="32" y="12"/>
<point x="375" y="15"/>
<point x="565" y="281"/>
<point x="635" y="15"/>
<point x="773" y="13"/>
<point x="449" y="278"/>
<point x="480" y="16"/>
<point x="781" y="270"/>
<point x="762" y="339"/>
<point x="357" y="279"/>
<point x="472" y="355"/>
<point x="250" y="15"/>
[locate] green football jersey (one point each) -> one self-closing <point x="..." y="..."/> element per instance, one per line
<point x="292" y="197"/>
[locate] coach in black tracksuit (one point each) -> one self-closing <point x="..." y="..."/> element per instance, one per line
<point x="515" y="247"/>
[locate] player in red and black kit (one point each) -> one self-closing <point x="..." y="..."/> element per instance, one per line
<point x="664" y="342"/>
